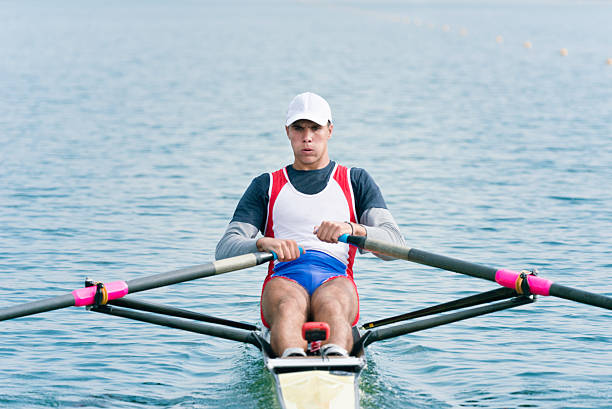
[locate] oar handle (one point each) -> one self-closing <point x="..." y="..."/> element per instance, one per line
<point x="344" y="238"/>
<point x="507" y="278"/>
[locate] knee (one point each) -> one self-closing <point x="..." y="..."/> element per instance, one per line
<point x="287" y="309"/>
<point x="290" y="305"/>
<point x="329" y="307"/>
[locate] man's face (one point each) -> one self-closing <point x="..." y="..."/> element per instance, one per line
<point x="309" y="144"/>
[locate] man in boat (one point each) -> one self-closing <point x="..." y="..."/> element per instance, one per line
<point x="309" y="204"/>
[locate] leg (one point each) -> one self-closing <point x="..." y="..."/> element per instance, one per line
<point x="336" y="303"/>
<point x="285" y="304"/>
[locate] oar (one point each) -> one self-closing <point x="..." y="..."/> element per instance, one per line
<point x="117" y="289"/>
<point x="507" y="278"/>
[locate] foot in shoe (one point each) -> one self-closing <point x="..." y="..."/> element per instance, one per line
<point x="333" y="350"/>
<point x="293" y="352"/>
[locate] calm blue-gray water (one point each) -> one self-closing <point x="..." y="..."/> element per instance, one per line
<point x="129" y="130"/>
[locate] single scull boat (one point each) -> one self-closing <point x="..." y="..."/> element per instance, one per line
<point x="314" y="381"/>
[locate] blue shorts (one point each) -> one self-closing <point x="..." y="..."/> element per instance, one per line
<point x="311" y="269"/>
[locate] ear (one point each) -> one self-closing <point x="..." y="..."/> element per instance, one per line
<point x="287" y="131"/>
<point x="331" y="129"/>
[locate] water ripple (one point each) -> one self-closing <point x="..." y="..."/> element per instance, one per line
<point x="128" y="134"/>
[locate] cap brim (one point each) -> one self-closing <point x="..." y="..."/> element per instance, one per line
<point x="302" y="115"/>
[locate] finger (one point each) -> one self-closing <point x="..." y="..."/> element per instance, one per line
<point x="280" y="255"/>
<point x="334" y="232"/>
<point x="327" y="232"/>
<point x="322" y="231"/>
<point x="295" y="250"/>
<point x="289" y="249"/>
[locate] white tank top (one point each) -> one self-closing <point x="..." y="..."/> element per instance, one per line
<point x="294" y="215"/>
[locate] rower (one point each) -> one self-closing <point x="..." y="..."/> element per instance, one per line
<point x="310" y="203"/>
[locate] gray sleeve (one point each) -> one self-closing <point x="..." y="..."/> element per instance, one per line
<point x="380" y="225"/>
<point x="239" y="238"/>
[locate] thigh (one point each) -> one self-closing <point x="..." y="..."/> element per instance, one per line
<point x="284" y="297"/>
<point x="339" y="294"/>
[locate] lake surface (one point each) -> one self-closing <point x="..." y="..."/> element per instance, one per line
<point x="130" y="129"/>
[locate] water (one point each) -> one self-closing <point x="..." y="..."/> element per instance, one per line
<point x="130" y="129"/>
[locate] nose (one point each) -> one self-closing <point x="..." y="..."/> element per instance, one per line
<point x="307" y="137"/>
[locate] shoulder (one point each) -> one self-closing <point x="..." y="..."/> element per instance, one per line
<point x="259" y="186"/>
<point x="261" y="181"/>
<point x="361" y="177"/>
<point x="366" y="191"/>
<point x="359" y="172"/>
<point x="252" y="205"/>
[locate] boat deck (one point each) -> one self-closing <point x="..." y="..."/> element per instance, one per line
<point x="316" y="382"/>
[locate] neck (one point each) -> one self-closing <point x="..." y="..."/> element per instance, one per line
<point x="311" y="166"/>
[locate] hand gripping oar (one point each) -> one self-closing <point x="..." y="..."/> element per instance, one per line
<point x="117" y="289"/>
<point x="507" y="278"/>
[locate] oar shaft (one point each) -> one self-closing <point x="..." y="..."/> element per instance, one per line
<point x="424" y="257"/>
<point x="36" y="307"/>
<point x="585" y="297"/>
<point x="452" y="264"/>
<point x="507" y="278"/>
<point x="117" y="289"/>
<point x="200" y="271"/>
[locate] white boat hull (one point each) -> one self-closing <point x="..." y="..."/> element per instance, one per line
<point x="316" y="382"/>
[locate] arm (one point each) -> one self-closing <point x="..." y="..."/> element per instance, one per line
<point x="380" y="225"/>
<point x="372" y="210"/>
<point x="375" y="220"/>
<point x="239" y="238"/>
<point x="376" y="223"/>
<point x="249" y="219"/>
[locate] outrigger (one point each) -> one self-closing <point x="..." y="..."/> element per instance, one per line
<point x="313" y="381"/>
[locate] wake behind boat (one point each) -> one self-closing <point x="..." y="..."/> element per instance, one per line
<point x="314" y="381"/>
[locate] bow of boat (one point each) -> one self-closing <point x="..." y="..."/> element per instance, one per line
<point x="316" y="381"/>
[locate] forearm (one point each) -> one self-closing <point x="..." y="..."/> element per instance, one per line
<point x="239" y="238"/>
<point x="380" y="225"/>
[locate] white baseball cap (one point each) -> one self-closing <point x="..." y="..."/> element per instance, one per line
<point x="309" y="106"/>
